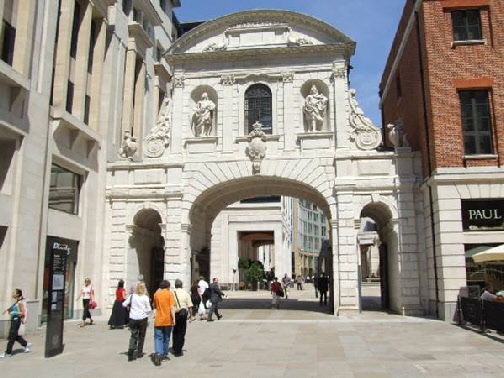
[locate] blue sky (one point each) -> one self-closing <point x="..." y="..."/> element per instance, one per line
<point x="370" y="23"/>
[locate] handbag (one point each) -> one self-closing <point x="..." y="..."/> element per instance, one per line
<point x="21" y="329"/>
<point x="92" y="305"/>
<point x="183" y="311"/>
<point x="280" y="292"/>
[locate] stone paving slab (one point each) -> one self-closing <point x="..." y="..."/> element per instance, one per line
<point x="274" y="343"/>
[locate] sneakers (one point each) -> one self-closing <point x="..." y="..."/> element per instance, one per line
<point x="27" y="348"/>
<point x="219" y="317"/>
<point x="156" y="359"/>
<point x="5" y="355"/>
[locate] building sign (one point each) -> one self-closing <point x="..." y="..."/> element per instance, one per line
<point x="58" y="250"/>
<point x="483" y="215"/>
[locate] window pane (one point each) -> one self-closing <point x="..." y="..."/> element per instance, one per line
<point x="258" y="107"/>
<point x="475" y="118"/>
<point x="466" y="25"/>
<point x="9" y="41"/>
<point x="64" y="190"/>
<point x="470" y="145"/>
<point x="485" y="144"/>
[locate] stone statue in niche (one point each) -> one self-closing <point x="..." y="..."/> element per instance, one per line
<point x="364" y="133"/>
<point x="314" y="110"/>
<point x="129" y="146"/>
<point x="396" y="134"/>
<point x="159" y="137"/>
<point x="203" y="117"/>
<point x="256" y="149"/>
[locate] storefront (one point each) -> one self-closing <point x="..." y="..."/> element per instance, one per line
<point x="483" y="218"/>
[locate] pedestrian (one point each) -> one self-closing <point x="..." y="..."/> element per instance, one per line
<point x="299" y="281"/>
<point x="205" y="292"/>
<point x="134" y="286"/>
<point x="315" y="285"/>
<point x="87" y="294"/>
<point x="183" y="306"/>
<point x="140" y="308"/>
<point x="119" y="316"/>
<point x="18" y="315"/>
<point x="196" y="298"/>
<point x="286" y="281"/>
<point x="323" y="287"/>
<point x="216" y="296"/>
<point x="164" y="320"/>
<point x="276" y="293"/>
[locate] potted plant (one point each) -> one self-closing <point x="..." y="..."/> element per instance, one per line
<point x="254" y="274"/>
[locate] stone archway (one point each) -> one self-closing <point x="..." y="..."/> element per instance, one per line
<point x="146" y="249"/>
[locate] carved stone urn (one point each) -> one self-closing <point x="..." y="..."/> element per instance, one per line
<point x="256" y="149"/>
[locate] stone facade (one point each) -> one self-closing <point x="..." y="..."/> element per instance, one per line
<point x="119" y="96"/>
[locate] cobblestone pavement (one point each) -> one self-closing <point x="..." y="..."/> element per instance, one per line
<point x="262" y="342"/>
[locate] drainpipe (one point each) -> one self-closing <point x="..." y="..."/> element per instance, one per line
<point x="429" y="162"/>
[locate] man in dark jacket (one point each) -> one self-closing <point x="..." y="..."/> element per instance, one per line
<point x="215" y="298"/>
<point x="323" y="287"/>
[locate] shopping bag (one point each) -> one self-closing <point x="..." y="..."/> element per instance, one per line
<point x="201" y="309"/>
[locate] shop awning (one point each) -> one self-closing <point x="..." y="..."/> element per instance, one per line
<point x="491" y="254"/>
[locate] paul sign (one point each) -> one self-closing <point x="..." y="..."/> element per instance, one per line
<point x="483" y="215"/>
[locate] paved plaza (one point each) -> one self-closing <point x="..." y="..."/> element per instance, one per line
<point x="261" y="342"/>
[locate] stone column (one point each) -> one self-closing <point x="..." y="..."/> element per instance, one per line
<point x="129" y="91"/>
<point x="62" y="61"/>
<point x="227" y="110"/>
<point x="97" y="74"/>
<point x="24" y="36"/>
<point x="288" y="116"/>
<point x="178" y="109"/>
<point x="347" y="252"/>
<point x="340" y="111"/>
<point x="81" y="62"/>
<point x="139" y="106"/>
<point x="335" y="292"/>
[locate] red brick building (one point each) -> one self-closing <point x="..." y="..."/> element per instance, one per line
<point x="444" y="78"/>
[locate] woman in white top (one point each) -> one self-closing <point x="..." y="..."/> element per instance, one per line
<point x="139" y="313"/>
<point x="87" y="294"/>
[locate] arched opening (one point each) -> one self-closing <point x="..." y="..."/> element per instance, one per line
<point x="257" y="218"/>
<point x="146" y="249"/>
<point x="378" y="256"/>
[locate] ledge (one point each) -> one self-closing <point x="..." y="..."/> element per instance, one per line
<point x="13" y="78"/>
<point x="137" y="33"/>
<point x="481" y="157"/>
<point x="161" y="70"/>
<point x="269" y="138"/>
<point x="200" y="145"/>
<point x="75" y="127"/>
<point x="470" y="42"/>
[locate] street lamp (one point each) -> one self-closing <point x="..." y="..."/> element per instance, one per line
<point x="234" y="272"/>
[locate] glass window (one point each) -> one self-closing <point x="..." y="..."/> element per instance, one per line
<point x="258" y="107"/>
<point x="466" y="25"/>
<point x="70" y="97"/>
<point x="75" y="30"/>
<point x="64" y="190"/>
<point x="9" y="40"/>
<point x="476" y="125"/>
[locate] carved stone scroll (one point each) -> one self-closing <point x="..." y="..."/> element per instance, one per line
<point x="364" y="133"/>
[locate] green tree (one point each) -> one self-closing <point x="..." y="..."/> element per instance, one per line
<point x="254" y="273"/>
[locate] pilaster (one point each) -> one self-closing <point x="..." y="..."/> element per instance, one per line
<point x="97" y="74"/>
<point x="340" y="83"/>
<point x="288" y="117"/>
<point x="139" y="105"/>
<point x="129" y="91"/>
<point x="81" y="63"/>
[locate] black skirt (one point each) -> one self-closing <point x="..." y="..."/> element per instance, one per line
<point x="119" y="316"/>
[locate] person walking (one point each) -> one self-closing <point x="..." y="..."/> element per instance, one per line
<point x="18" y="315"/>
<point x="183" y="306"/>
<point x="196" y="299"/>
<point x="276" y="293"/>
<point x="164" y="320"/>
<point x="286" y="281"/>
<point x="216" y="296"/>
<point x="323" y="287"/>
<point x="205" y="290"/>
<point x="87" y="294"/>
<point x="119" y="316"/>
<point x="138" y="318"/>
<point x="315" y="285"/>
<point x="299" y="281"/>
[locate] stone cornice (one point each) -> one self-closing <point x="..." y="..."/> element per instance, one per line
<point x="280" y="16"/>
<point x="304" y="50"/>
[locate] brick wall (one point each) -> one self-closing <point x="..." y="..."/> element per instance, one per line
<point x="448" y="68"/>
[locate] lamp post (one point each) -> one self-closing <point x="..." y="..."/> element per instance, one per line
<point x="234" y="272"/>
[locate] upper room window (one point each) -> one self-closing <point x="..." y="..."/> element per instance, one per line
<point x="476" y="125"/>
<point x="466" y="25"/>
<point x="258" y="108"/>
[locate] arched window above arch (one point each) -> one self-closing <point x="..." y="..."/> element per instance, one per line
<point x="258" y="107"/>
